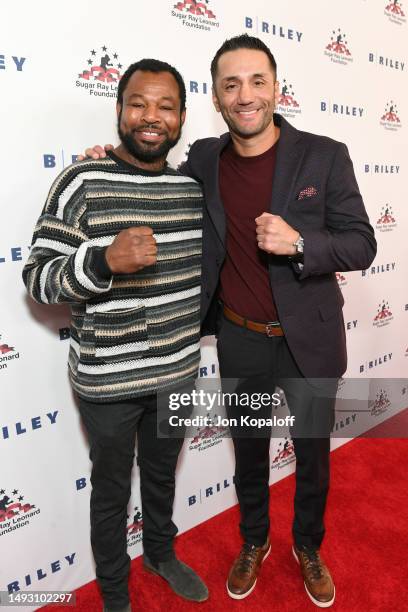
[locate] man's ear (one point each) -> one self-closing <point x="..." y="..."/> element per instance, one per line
<point x="277" y="92"/>
<point x="183" y="117"/>
<point x="118" y="109"/>
<point x="215" y="99"/>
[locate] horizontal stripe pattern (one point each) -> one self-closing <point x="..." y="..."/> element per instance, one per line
<point x="160" y="300"/>
<point x="131" y="334"/>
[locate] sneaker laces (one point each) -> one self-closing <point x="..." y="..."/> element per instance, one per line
<point x="247" y="558"/>
<point x="313" y="563"/>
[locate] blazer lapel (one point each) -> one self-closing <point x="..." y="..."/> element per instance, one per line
<point x="289" y="158"/>
<point x="290" y="154"/>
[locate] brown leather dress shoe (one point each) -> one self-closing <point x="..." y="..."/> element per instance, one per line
<point x="318" y="582"/>
<point x="245" y="569"/>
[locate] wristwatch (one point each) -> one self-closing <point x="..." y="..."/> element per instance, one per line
<point x="299" y="245"/>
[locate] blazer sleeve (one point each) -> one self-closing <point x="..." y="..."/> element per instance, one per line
<point x="347" y="242"/>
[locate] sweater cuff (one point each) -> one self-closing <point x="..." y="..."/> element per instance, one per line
<point x="99" y="263"/>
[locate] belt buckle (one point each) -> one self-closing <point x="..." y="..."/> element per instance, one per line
<point x="269" y="327"/>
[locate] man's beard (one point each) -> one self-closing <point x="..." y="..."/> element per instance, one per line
<point x="147" y="153"/>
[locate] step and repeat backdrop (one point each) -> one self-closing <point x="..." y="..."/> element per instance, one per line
<point x="342" y="69"/>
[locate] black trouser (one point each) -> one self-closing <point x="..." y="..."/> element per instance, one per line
<point x="112" y="431"/>
<point x="261" y="363"/>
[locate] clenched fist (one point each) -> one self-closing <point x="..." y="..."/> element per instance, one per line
<point x="133" y="249"/>
<point x="274" y="235"/>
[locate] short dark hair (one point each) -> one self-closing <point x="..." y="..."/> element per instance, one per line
<point x="243" y="41"/>
<point x="152" y="65"/>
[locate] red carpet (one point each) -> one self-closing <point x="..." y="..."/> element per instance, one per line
<point x="365" y="547"/>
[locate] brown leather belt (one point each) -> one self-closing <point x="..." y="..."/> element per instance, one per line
<point x="270" y="329"/>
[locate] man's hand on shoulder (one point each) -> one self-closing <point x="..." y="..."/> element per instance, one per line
<point x="274" y="235"/>
<point x="133" y="249"/>
<point x="96" y="152"/>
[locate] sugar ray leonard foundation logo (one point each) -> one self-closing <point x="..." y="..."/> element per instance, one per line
<point x="380" y="404"/>
<point x="384" y="315"/>
<point x="285" y="454"/>
<point x="337" y="49"/>
<point x="390" y="119"/>
<point x="195" y="14"/>
<point x="15" y="511"/>
<point x="341" y="279"/>
<point x="8" y="354"/>
<point x="287" y="105"/>
<point x="209" y="435"/>
<point x="386" y="221"/>
<point x="395" y="12"/>
<point x="102" y="73"/>
<point x="134" y="529"/>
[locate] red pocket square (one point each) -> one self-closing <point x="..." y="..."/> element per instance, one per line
<point x="308" y="192"/>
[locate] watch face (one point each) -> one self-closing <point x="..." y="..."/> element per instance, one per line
<point x="299" y="244"/>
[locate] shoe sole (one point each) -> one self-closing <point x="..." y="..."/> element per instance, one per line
<point x="151" y="570"/>
<point x="320" y="604"/>
<point x="235" y="595"/>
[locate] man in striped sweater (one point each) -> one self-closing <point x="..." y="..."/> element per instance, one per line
<point x="119" y="239"/>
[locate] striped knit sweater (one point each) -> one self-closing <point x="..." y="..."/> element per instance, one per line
<point x="131" y="334"/>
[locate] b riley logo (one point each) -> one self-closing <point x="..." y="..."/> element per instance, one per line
<point x="390" y="119"/>
<point x="386" y="221"/>
<point x="394" y="12"/>
<point x="195" y="14"/>
<point x="135" y="528"/>
<point x="337" y="49"/>
<point x="15" y="512"/>
<point x="102" y="73"/>
<point x="7" y="354"/>
<point x="288" y="106"/>
<point x="285" y="454"/>
<point x="384" y="315"/>
<point x="207" y="436"/>
<point x="380" y="404"/>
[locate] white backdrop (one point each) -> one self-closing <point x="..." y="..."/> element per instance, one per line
<point x="342" y="67"/>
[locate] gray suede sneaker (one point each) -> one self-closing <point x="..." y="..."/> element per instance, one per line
<point x="180" y="577"/>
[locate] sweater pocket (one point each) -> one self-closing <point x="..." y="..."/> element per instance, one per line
<point x="114" y="336"/>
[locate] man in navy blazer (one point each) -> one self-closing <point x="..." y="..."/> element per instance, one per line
<point x="283" y="214"/>
<point x="333" y="223"/>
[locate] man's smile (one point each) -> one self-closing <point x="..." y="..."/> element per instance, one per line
<point x="149" y="135"/>
<point x="247" y="114"/>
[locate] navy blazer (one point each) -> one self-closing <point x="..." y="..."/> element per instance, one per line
<point x="335" y="227"/>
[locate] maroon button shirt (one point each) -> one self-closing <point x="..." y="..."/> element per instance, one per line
<point x="246" y="190"/>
